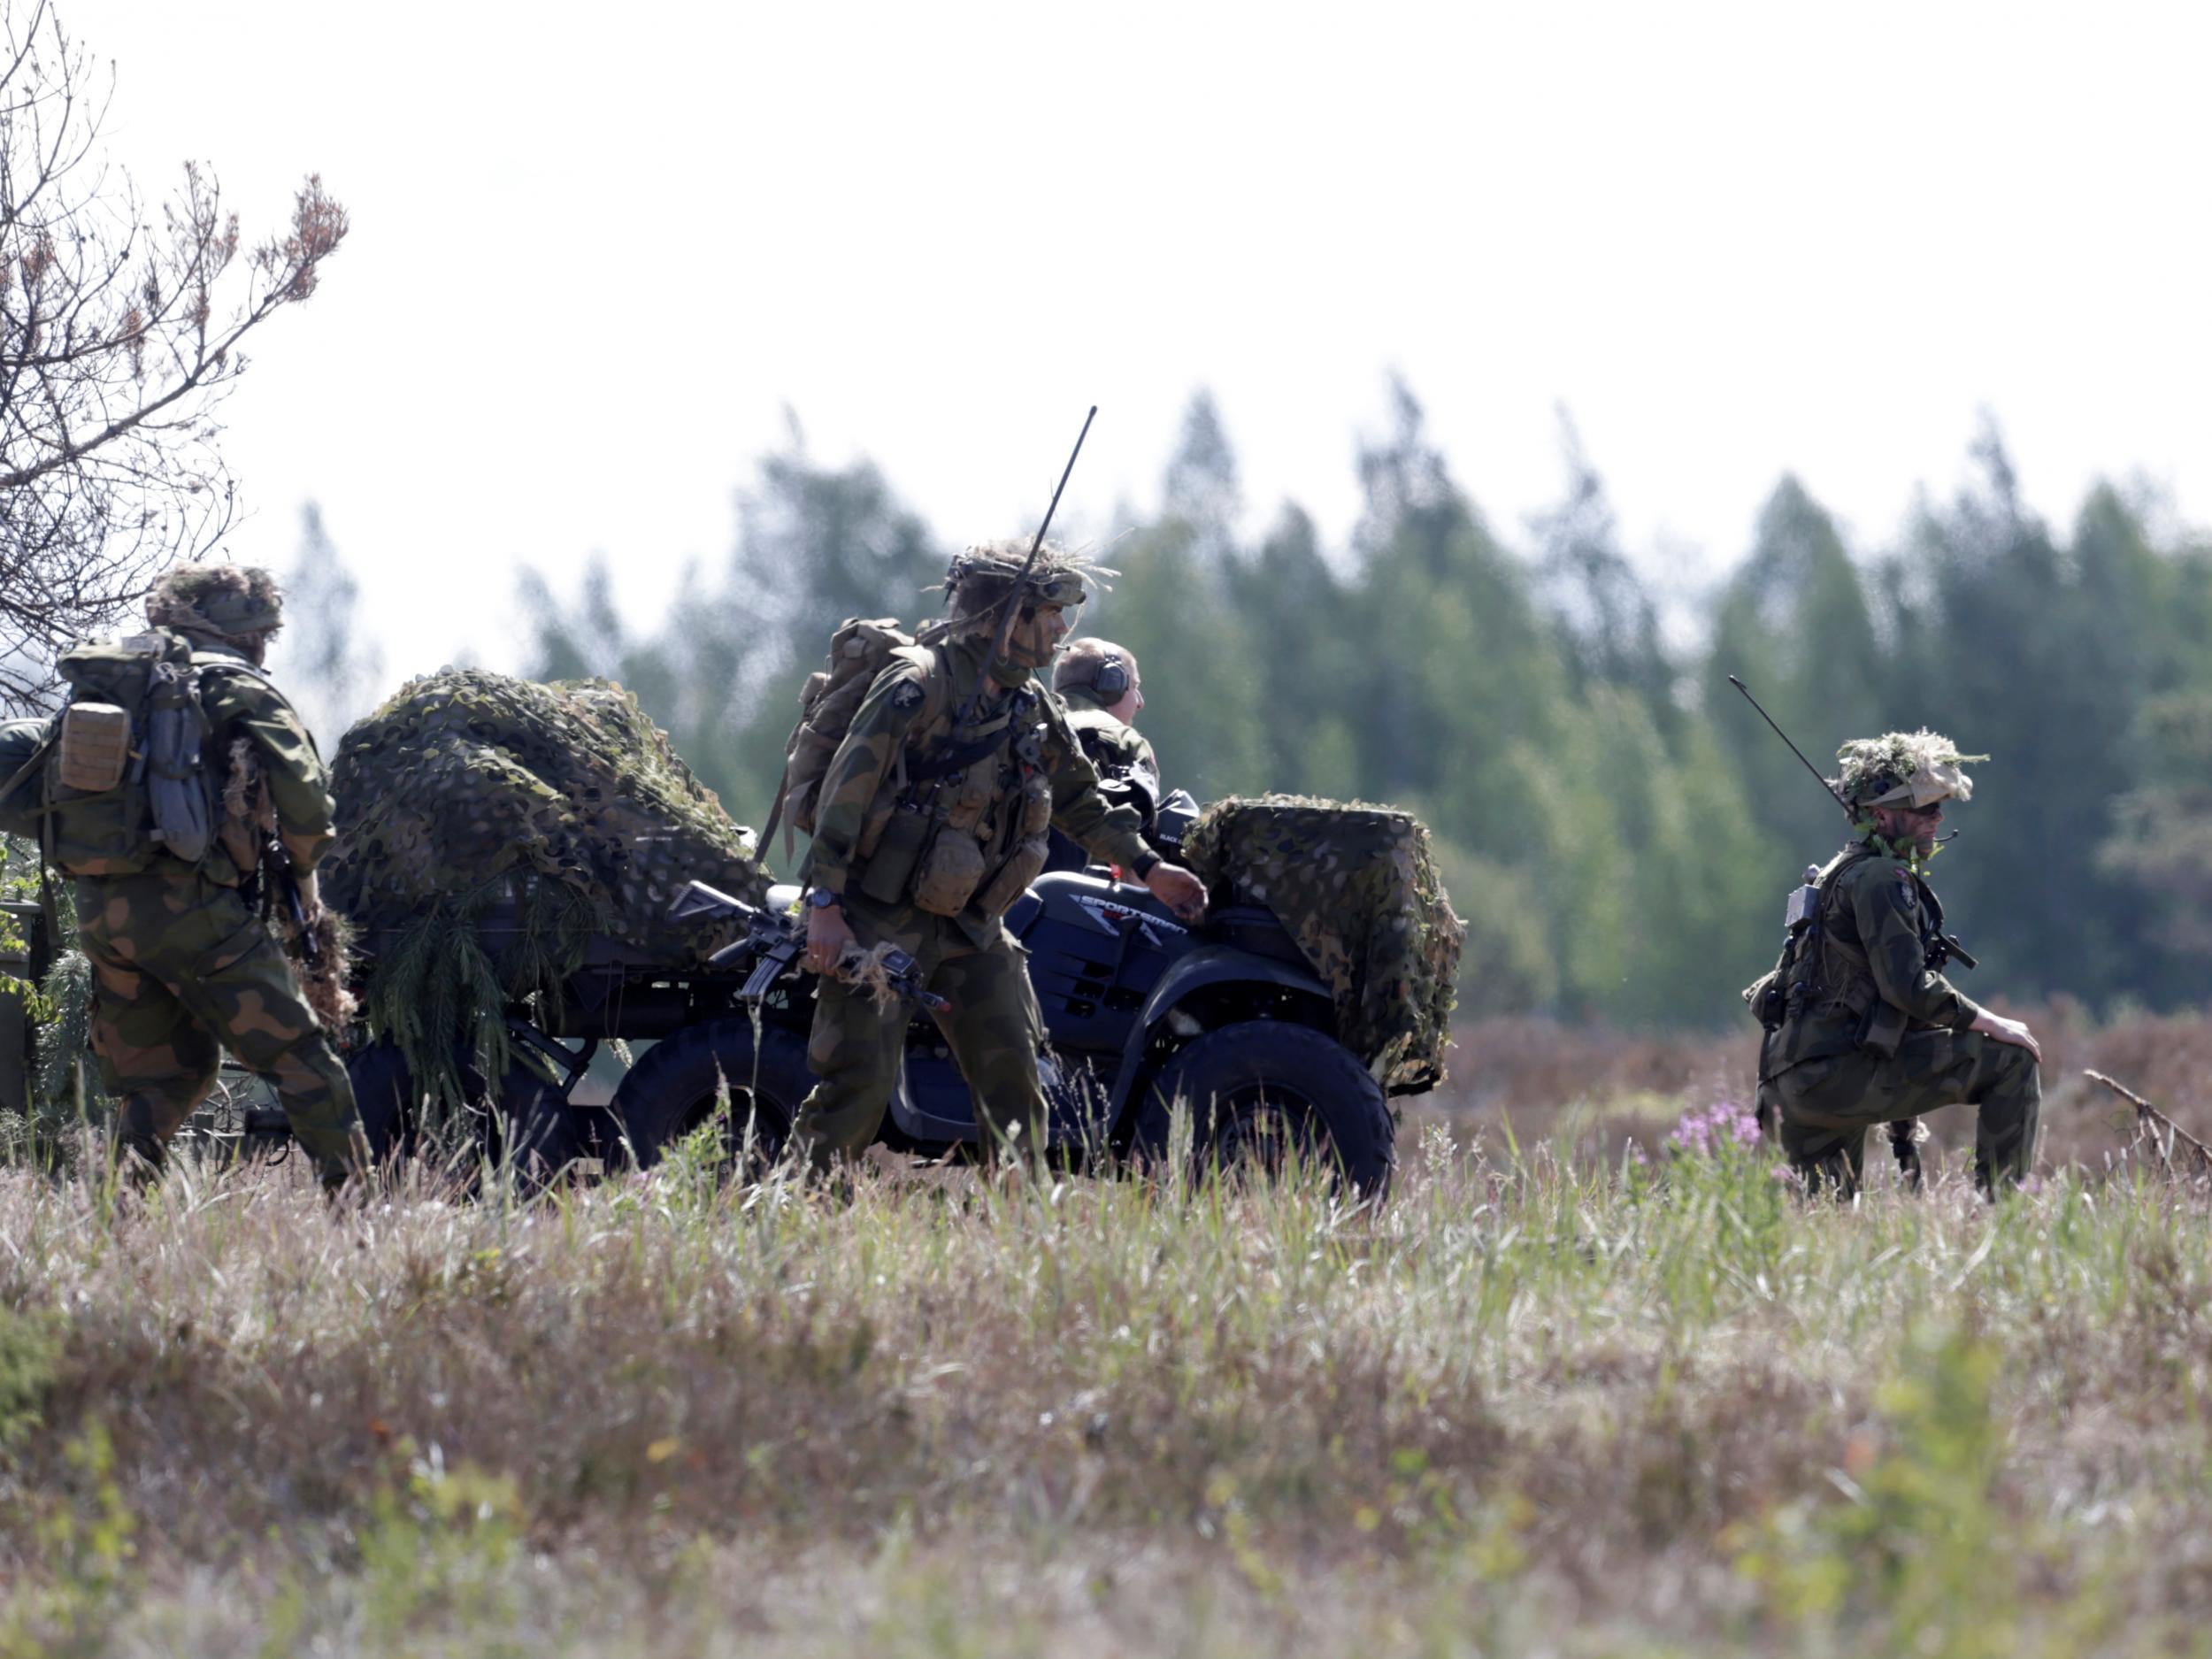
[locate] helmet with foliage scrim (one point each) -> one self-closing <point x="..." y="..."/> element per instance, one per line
<point x="1903" y="769"/>
<point x="231" y="603"/>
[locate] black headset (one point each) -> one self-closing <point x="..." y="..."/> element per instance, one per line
<point x="1113" y="677"/>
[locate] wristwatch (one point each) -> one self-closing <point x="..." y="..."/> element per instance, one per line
<point x="823" y="899"/>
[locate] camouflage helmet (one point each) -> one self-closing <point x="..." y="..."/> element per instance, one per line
<point x="229" y="601"/>
<point x="980" y="577"/>
<point x="1903" y="769"/>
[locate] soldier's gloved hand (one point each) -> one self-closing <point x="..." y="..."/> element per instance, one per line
<point x="828" y="936"/>
<point x="310" y="896"/>
<point x="2004" y="1030"/>
<point x="1177" y="888"/>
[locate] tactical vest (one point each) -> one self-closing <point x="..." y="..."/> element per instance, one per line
<point x="128" y="781"/>
<point x="1831" y="1002"/>
<point x="960" y="820"/>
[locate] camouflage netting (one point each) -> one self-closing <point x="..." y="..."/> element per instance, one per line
<point x="1357" y="888"/>
<point x="470" y="791"/>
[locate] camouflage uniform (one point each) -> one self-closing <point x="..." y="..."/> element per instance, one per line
<point x="1870" y="959"/>
<point x="1107" y="742"/>
<point x="1119" y="754"/>
<point x="876" y="830"/>
<point x="183" y="969"/>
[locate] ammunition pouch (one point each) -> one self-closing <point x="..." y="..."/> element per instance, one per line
<point x="95" y="746"/>
<point x="928" y="840"/>
<point x="950" y="872"/>
<point x="1026" y="865"/>
<point x="1033" y="850"/>
<point x="898" y="850"/>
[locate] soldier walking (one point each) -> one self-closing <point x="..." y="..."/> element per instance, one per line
<point x="932" y="820"/>
<point x="182" y="968"/>
<point x="1871" y="1031"/>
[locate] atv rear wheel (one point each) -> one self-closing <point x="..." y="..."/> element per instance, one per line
<point x="1263" y="1091"/>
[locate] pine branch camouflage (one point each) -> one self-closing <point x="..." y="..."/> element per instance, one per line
<point x="469" y="791"/>
<point x="468" y="777"/>
<point x="1358" y="889"/>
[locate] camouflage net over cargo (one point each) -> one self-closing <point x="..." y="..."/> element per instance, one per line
<point x="470" y="793"/>
<point x="1357" y="888"/>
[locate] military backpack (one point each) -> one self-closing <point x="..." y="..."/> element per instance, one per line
<point x="125" y="778"/>
<point x="861" y="649"/>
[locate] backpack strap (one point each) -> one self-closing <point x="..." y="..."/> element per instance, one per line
<point x="767" y="842"/>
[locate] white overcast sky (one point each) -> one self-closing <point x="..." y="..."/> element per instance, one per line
<point x="597" y="250"/>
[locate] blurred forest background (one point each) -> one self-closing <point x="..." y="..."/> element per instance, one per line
<point x="1615" y="824"/>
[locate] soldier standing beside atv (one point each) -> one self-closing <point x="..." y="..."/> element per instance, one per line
<point x="928" y="827"/>
<point x="181" y="967"/>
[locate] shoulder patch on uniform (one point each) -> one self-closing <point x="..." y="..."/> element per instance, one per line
<point x="908" y="695"/>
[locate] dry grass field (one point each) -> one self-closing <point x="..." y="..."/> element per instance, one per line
<point x="1559" y="1396"/>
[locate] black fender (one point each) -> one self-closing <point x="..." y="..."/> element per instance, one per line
<point x="1189" y="977"/>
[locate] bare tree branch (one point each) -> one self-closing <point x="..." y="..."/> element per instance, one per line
<point x="119" y="336"/>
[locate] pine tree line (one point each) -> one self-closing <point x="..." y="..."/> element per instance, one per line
<point x="1615" y="825"/>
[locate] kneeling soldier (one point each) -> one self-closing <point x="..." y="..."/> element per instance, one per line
<point x="1871" y="1033"/>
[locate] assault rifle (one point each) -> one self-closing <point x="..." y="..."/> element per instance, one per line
<point x="1947" y="947"/>
<point x="774" y="943"/>
<point x="315" y="941"/>
<point x="283" y="877"/>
